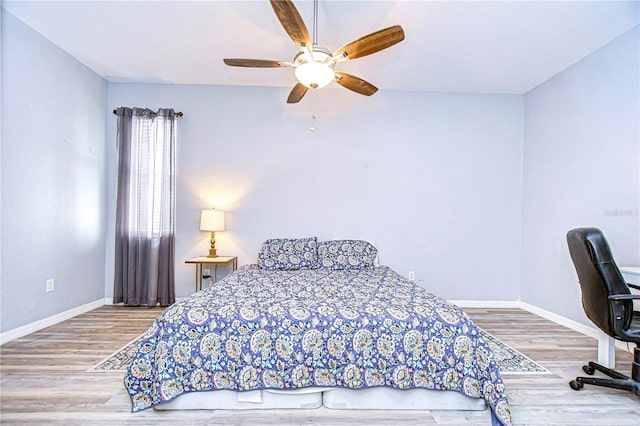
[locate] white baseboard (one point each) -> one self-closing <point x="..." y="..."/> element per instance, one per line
<point x="590" y="331"/>
<point x="10" y="335"/>
<point x="518" y="304"/>
<point x="505" y="304"/>
<point x="559" y="319"/>
<point x="551" y="316"/>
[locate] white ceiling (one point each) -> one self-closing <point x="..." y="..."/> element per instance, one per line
<point x="450" y="46"/>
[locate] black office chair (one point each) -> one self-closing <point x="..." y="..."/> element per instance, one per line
<point x="608" y="303"/>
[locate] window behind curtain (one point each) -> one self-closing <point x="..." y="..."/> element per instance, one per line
<point x="155" y="174"/>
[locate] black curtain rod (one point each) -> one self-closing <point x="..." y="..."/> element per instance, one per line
<point x="179" y="113"/>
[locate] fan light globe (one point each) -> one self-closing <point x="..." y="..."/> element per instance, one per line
<point x="314" y="72"/>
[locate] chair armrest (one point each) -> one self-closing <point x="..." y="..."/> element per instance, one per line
<point x="616" y="297"/>
<point x="621" y="317"/>
<point x="637" y="287"/>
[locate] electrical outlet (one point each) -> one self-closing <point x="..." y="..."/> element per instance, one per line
<point x="412" y="276"/>
<point x="206" y="272"/>
<point x="50" y="286"/>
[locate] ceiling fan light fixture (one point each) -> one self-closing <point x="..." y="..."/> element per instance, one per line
<point x="314" y="69"/>
<point x="314" y="64"/>
<point x="314" y="75"/>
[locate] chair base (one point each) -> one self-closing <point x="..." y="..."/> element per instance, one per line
<point x="617" y="380"/>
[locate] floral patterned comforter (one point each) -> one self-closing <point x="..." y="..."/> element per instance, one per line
<point x="259" y="329"/>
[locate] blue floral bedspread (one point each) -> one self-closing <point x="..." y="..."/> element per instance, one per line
<point x="259" y="329"/>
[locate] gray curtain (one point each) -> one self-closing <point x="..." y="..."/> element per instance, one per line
<point x="145" y="210"/>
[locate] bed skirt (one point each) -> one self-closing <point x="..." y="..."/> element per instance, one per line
<point x="333" y="398"/>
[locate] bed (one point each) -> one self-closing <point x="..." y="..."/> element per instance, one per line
<point x="310" y="324"/>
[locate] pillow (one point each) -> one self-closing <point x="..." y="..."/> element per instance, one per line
<point x="346" y="254"/>
<point x="288" y="254"/>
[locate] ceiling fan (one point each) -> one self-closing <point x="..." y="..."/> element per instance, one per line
<point x="314" y="64"/>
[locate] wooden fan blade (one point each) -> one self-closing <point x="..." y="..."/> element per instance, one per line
<point x="255" y="63"/>
<point x="292" y="22"/>
<point x="298" y="91"/>
<point x="371" y="43"/>
<point x="356" y="84"/>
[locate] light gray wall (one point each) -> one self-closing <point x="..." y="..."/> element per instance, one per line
<point x="581" y="168"/>
<point x="1" y="13"/>
<point x="433" y="179"/>
<point x="53" y="178"/>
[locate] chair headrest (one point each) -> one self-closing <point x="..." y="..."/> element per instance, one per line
<point x="598" y="245"/>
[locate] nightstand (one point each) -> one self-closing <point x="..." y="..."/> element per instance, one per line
<point x="214" y="261"/>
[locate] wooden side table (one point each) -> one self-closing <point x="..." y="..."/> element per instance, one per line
<point x="215" y="261"/>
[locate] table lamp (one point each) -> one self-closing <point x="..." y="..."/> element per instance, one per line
<point x="212" y="220"/>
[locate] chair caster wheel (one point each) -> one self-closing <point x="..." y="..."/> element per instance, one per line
<point x="588" y="369"/>
<point x="575" y="385"/>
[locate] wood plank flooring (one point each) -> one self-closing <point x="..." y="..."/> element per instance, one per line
<point x="44" y="380"/>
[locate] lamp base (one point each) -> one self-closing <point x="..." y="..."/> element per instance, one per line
<point x="212" y="249"/>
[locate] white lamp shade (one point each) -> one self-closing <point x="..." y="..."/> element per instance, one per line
<point x="212" y="220"/>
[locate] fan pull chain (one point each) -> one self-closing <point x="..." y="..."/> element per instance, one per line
<point x="313" y="121"/>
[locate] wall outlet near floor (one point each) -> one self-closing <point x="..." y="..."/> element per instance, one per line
<point x="412" y="276"/>
<point x="206" y="272"/>
<point x="50" y="286"/>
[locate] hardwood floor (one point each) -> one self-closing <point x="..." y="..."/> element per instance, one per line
<point x="44" y="380"/>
